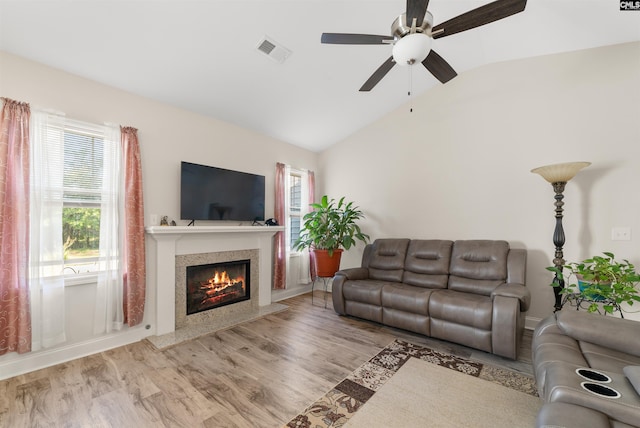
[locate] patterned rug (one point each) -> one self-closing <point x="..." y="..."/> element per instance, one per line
<point x="337" y="406"/>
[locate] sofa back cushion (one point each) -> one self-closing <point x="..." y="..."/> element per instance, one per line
<point x="385" y="259"/>
<point x="478" y="266"/>
<point x="427" y="263"/>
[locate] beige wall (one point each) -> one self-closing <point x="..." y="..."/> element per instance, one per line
<point x="167" y="135"/>
<point x="458" y="166"/>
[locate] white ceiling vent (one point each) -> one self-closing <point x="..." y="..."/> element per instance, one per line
<point x="273" y="50"/>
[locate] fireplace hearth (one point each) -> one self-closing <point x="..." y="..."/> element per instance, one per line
<point x="214" y="285"/>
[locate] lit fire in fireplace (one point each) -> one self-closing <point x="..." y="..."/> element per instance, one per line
<point x="221" y="283"/>
<point x="213" y="285"/>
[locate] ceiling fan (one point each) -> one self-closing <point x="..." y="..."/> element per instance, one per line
<point x="412" y="34"/>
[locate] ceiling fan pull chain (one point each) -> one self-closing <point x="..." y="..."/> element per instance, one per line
<point x="410" y="93"/>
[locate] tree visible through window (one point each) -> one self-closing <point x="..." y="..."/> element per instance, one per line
<point x="82" y="180"/>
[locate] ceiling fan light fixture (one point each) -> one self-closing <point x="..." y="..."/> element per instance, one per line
<point x="411" y="49"/>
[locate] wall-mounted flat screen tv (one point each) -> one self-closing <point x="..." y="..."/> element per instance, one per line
<point x="211" y="193"/>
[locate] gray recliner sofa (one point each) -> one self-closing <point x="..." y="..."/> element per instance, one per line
<point x="470" y="292"/>
<point x="567" y="348"/>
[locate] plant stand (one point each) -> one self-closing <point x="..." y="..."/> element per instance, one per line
<point x="576" y="300"/>
<point x="325" y="282"/>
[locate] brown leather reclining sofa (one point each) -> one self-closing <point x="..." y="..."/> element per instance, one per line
<point x="587" y="369"/>
<point x="469" y="292"/>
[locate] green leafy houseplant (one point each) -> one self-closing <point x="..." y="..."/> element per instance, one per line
<point x="331" y="226"/>
<point x="602" y="280"/>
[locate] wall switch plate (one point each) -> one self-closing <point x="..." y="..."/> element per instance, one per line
<point x="154" y="220"/>
<point x="621" y="234"/>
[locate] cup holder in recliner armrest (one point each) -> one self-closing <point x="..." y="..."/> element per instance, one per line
<point x="593" y="375"/>
<point x="600" y="390"/>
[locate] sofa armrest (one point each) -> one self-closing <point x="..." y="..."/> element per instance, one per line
<point x="339" y="279"/>
<point x="517" y="291"/>
<point x="354" y="273"/>
<point x="615" y="333"/>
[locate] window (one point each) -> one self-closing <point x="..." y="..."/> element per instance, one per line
<point x="294" y="215"/>
<point x="75" y="187"/>
<point x="82" y="182"/>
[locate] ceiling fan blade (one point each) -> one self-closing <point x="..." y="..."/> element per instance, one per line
<point x="440" y="68"/>
<point x="355" y="39"/>
<point x="416" y="9"/>
<point x="378" y="75"/>
<point x="475" y="18"/>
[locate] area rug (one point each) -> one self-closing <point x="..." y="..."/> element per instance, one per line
<point x="410" y="385"/>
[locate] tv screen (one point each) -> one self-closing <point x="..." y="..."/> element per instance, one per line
<point x="211" y="193"/>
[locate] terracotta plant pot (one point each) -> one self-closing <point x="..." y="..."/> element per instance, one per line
<point x="326" y="266"/>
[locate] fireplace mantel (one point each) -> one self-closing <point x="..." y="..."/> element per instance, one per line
<point x="184" y="230"/>
<point x="166" y="242"/>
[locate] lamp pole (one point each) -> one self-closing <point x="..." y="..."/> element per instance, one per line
<point x="558" y="241"/>
<point x="558" y="175"/>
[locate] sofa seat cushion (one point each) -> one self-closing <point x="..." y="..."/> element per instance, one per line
<point x="406" y="298"/>
<point x="364" y="291"/>
<point x="471" y="310"/>
<point x="608" y="359"/>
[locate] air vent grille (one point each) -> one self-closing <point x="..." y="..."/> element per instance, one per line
<point x="273" y="49"/>
<point x="266" y="46"/>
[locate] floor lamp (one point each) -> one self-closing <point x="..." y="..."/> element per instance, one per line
<point x="558" y="175"/>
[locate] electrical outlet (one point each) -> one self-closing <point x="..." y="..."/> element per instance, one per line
<point x="621" y="234"/>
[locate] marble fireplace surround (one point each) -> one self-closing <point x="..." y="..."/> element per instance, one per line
<point x="215" y="314"/>
<point x="170" y="246"/>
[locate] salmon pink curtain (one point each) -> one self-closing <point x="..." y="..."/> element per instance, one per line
<point x="15" y="319"/>
<point x="134" y="272"/>
<point x="279" y="250"/>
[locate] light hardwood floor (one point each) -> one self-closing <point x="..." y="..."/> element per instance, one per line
<point x="257" y="374"/>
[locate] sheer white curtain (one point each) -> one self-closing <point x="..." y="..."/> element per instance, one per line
<point x="109" y="313"/>
<point x="305" y="273"/>
<point x="46" y="264"/>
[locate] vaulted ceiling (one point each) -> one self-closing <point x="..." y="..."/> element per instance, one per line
<point x="203" y="55"/>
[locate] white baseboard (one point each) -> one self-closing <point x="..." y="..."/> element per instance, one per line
<point x="16" y="364"/>
<point x="277" y="295"/>
<point x="530" y="323"/>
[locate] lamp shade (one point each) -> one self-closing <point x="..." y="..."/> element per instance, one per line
<point x="412" y="48"/>
<point x="560" y="172"/>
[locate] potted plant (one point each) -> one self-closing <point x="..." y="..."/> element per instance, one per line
<point x="328" y="230"/>
<point x="602" y="280"/>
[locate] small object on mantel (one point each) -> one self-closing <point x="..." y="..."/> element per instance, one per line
<point x="164" y="221"/>
<point x="173" y="223"/>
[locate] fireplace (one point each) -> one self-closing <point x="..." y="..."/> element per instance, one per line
<point x="213" y="285"/>
<point x="227" y="311"/>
